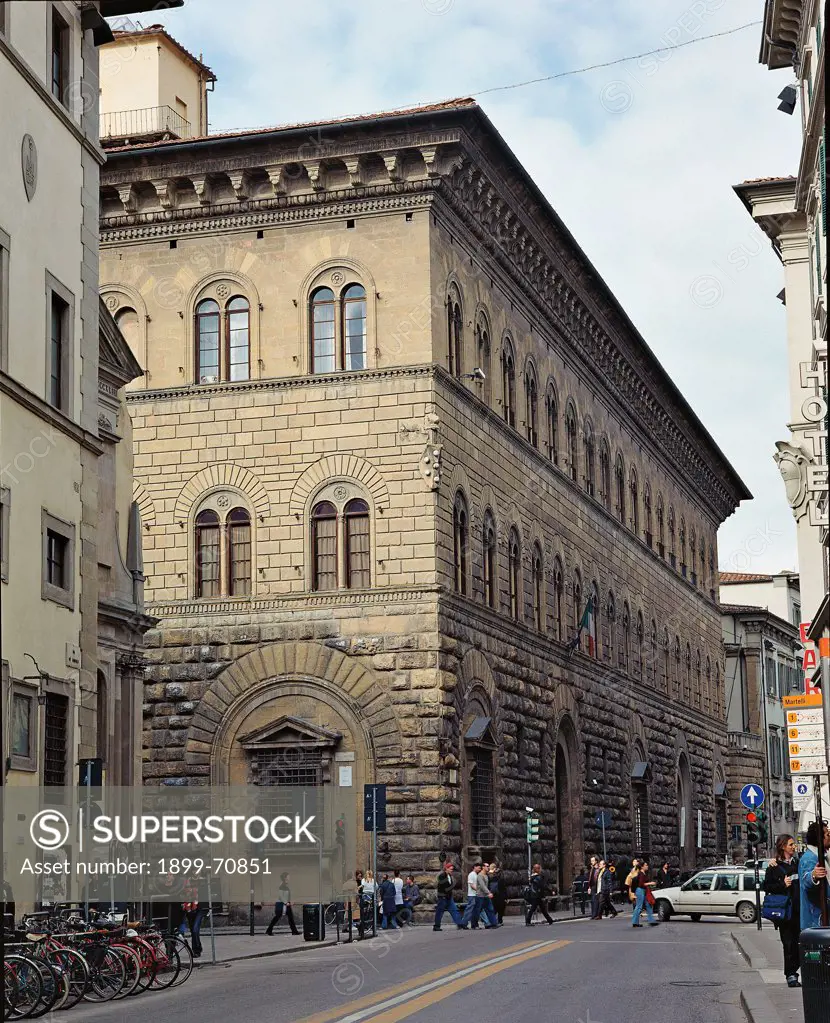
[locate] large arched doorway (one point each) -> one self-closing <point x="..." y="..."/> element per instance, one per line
<point x="568" y="830"/>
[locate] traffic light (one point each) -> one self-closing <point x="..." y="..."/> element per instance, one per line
<point x="340" y="832"/>
<point x="532" y="829"/>
<point x="762" y="827"/>
<point x="753" y="834"/>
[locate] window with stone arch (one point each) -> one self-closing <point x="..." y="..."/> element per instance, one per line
<point x="610" y="628"/>
<point x="682" y="537"/>
<point x="687" y="676"/>
<point x="340" y="539"/>
<point x="698" y="681"/>
<point x="707" y="692"/>
<point x="531" y="405"/>
<point x="552" y="421"/>
<point x="571" y="441"/>
<point x="455" y="332"/>
<point x="558" y="599"/>
<point x="633" y="488"/>
<point x="639" y="641"/>
<point x="223" y="337"/>
<point x="712" y="577"/>
<point x="676" y="678"/>
<point x="483" y="355"/>
<point x="594" y="627"/>
<point x="508" y="382"/>
<point x="605" y="474"/>
<point x="693" y="556"/>
<point x="538" y="583"/>
<point x="223" y="547"/>
<point x="666" y="662"/>
<point x="653" y="661"/>
<point x="647" y="517"/>
<point x="672" y="549"/>
<point x="489" y="560"/>
<point x="661" y="527"/>
<point x="337" y="319"/>
<point x="577" y="602"/>
<point x="717" y="696"/>
<point x="619" y="477"/>
<point x="625" y="639"/>
<point x="461" y="543"/>
<point x="702" y="563"/>
<point x="590" y="458"/>
<point x="514" y="574"/>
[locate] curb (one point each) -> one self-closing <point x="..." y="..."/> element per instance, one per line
<point x="273" y="952"/>
<point x="756" y="959"/>
<point x="757" y="1006"/>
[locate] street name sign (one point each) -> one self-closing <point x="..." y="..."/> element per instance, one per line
<point x="752" y="796"/>
<point x="805" y="733"/>
<point x="802" y="700"/>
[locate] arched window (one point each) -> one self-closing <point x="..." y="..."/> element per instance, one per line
<point x="605" y="474"/>
<point x="702" y="569"/>
<point x="649" y="535"/>
<point x="653" y="661"/>
<point x="635" y="502"/>
<point x="590" y="467"/>
<point x="323" y="331"/>
<point x="353" y="303"/>
<point x="238" y="338"/>
<point x="552" y="412"/>
<point x="208" y="330"/>
<point x="687" y="676"/>
<point x="324" y="546"/>
<point x="455" y="333"/>
<point x="570" y="437"/>
<point x="666" y="662"/>
<point x="239" y="552"/>
<point x="126" y="320"/>
<point x="538" y="589"/>
<point x="558" y="599"/>
<point x="676" y="679"/>
<point x="489" y="565"/>
<point x="577" y="602"/>
<point x="683" y="565"/>
<point x="357" y="544"/>
<point x="610" y="628"/>
<point x="625" y="646"/>
<point x="532" y="407"/>
<point x="619" y="475"/>
<point x="693" y="556"/>
<point x="712" y="576"/>
<point x="698" y="680"/>
<point x="208" y="563"/>
<point x="483" y="352"/>
<point x="508" y="383"/>
<point x="661" y="527"/>
<point x="672" y="550"/>
<point x="707" y="692"/>
<point x="594" y="622"/>
<point x="639" y="637"/>
<point x="514" y="574"/>
<point x="460" y="534"/>
<point x="717" y="705"/>
<point x="102" y="716"/>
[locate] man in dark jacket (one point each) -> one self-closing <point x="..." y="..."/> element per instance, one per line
<point x="446" y="902"/>
<point x="498" y="889"/>
<point x="593" y="888"/>
<point x="387" y="899"/>
<point x="536" y="884"/>
<point x="607" y="882"/>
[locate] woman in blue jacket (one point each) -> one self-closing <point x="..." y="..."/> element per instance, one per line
<point x="812" y="876"/>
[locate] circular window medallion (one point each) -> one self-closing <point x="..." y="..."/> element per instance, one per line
<point x="223" y="291"/>
<point x="340" y="493"/>
<point x="112" y="302"/>
<point x="223" y="501"/>
<point x="337" y="277"/>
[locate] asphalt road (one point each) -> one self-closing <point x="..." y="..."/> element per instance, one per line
<point x="581" y="972"/>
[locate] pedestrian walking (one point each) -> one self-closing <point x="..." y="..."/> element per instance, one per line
<point x="498" y="889"/>
<point x="283" y="905"/>
<point x="472" y="889"/>
<point x="536" y="892"/>
<point x="606" y="887"/>
<point x="191" y="916"/>
<point x="484" y="899"/>
<point x="368" y="894"/>
<point x="630" y="879"/>
<point x="812" y="875"/>
<point x="411" y="898"/>
<point x="397" y="881"/>
<point x="446" y="902"/>
<point x="386" y="894"/>
<point x="593" y="887"/>
<point x="580" y="889"/>
<point x="782" y="890"/>
<point x="664" y="876"/>
<point x="643" y="897"/>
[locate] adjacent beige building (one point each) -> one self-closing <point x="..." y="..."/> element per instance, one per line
<point x="393" y="433"/>
<point x="70" y="539"/>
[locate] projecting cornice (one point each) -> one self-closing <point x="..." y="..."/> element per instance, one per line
<point x="782" y="32"/>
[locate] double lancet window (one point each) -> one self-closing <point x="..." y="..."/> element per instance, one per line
<point x="223" y="548"/>
<point x="223" y="340"/>
<point x="340" y="550"/>
<point x="337" y="323"/>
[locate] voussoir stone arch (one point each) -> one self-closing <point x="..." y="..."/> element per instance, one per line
<point x="338" y="467"/>
<point x="460" y="481"/>
<point x="266" y="668"/>
<point x="146" y="505"/>
<point x="222" y="474"/>
<point x="474" y="672"/>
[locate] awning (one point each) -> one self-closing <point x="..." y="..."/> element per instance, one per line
<point x="640" y="771"/>
<point x="720" y="789"/>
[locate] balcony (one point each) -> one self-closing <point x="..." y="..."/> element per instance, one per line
<point x="147" y="124"/>
<point x="746" y="742"/>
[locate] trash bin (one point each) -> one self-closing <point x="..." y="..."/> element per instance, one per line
<point x="815" y="973"/>
<point x="314" y="923"/>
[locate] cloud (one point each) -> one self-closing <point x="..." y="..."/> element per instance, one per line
<point x="638" y="159"/>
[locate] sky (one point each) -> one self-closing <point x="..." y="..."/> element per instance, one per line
<point x="638" y="159"/>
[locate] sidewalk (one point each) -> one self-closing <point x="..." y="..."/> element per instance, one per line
<point x="766" y="999"/>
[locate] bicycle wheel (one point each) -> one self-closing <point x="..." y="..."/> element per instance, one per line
<point x="51" y="988"/>
<point x="107" y="978"/>
<point x="168" y="968"/>
<point x="77" y="973"/>
<point x="147" y="960"/>
<point x="132" y="966"/>
<point x="178" y="945"/>
<point x="23" y="986"/>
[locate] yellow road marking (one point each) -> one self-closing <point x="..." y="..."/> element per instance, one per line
<point x="380" y="996"/>
<point x="400" y="1012"/>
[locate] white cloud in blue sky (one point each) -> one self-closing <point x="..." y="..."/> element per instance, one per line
<point x="639" y="161"/>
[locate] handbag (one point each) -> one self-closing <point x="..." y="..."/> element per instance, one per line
<point x="777" y="908"/>
<point x="650" y="897"/>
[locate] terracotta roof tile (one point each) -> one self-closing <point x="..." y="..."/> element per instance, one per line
<point x="450" y="104"/>
<point x="160" y="30"/>
<point x="744" y="577"/>
<point x="731" y="609"/>
<point x="763" y="181"/>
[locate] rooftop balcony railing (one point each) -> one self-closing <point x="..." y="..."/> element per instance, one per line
<point x="746" y="741"/>
<point x="144" y="122"/>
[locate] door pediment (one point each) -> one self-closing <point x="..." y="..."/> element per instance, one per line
<point x="289" y="732"/>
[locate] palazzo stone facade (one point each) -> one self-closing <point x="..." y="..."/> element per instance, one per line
<point x="394" y="432"/>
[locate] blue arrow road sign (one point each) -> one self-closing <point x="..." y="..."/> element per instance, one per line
<point x="603" y="820"/>
<point x="752" y="796"/>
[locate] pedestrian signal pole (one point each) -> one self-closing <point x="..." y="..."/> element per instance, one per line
<point x="532" y="836"/>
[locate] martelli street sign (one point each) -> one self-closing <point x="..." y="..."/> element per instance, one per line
<point x="805" y="733"/>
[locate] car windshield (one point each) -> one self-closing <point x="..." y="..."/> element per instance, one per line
<point x="699" y="883"/>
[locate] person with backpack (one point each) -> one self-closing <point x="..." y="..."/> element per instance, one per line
<point x="782" y="903"/>
<point x="535" y="896"/>
<point x="446" y="902"/>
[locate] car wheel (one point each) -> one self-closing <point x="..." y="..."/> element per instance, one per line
<point x="746" y="912"/>
<point x="696" y="917"/>
<point x="663" y="909"/>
